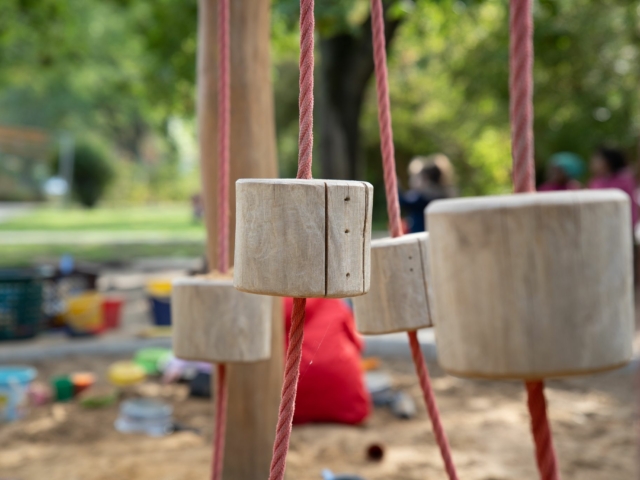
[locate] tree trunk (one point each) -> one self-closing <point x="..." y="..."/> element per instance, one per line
<point x="345" y="70"/>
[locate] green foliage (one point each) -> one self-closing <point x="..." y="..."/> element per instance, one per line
<point x="332" y="16"/>
<point x="93" y="172"/>
<point x="449" y="85"/>
<point x="586" y="74"/>
<point x="429" y="107"/>
<point x="143" y="183"/>
<point x="121" y="69"/>
<point x="70" y="64"/>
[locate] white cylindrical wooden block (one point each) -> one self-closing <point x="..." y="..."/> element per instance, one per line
<point x="398" y="300"/>
<point x="532" y="285"/>
<point x="214" y="322"/>
<point x="303" y="238"/>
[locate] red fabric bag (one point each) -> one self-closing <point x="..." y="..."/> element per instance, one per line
<point x="331" y="386"/>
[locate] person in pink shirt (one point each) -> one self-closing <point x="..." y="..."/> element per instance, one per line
<point x="610" y="170"/>
<point x="565" y="168"/>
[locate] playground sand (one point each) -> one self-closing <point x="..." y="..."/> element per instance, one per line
<point x="593" y="419"/>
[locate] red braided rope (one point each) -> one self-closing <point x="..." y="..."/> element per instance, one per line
<point x="384" y="118"/>
<point x="289" y="389"/>
<point x="432" y="407"/>
<point x="393" y="209"/>
<point x="521" y="112"/>
<point x="521" y="94"/>
<point x="224" y="125"/>
<point x="545" y="452"/>
<point x="220" y="421"/>
<point x="296" y="335"/>
<point x="305" y="99"/>
<point x="224" y="129"/>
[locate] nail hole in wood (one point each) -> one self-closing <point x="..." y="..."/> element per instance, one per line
<point x="348" y="275"/>
<point x="347" y="199"/>
<point x="346" y="231"/>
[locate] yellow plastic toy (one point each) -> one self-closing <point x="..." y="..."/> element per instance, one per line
<point x="125" y="374"/>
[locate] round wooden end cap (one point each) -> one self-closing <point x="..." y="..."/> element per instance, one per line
<point x="399" y="297"/>
<point x="214" y="322"/>
<point x="532" y="285"/>
<point x="303" y="238"/>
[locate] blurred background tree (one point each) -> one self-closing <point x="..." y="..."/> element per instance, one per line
<point x="93" y="172"/>
<point x="124" y="70"/>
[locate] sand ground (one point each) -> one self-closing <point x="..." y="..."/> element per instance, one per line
<point x="593" y="418"/>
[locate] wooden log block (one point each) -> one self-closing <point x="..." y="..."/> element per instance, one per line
<point x="398" y="300"/>
<point x="303" y="238"/>
<point x="213" y="322"/>
<point x="531" y="286"/>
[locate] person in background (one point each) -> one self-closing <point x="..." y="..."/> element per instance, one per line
<point x="610" y="170"/>
<point x="197" y="207"/>
<point x="430" y="178"/>
<point x="564" y="170"/>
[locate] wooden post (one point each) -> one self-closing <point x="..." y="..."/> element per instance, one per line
<point x="254" y="388"/>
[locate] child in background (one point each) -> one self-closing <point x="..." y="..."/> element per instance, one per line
<point x="564" y="170"/>
<point x="430" y="178"/>
<point x="197" y="207"/>
<point x="610" y="170"/>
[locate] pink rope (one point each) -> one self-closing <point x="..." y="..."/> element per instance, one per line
<point x="545" y="452"/>
<point x="393" y="209"/>
<point x="296" y="335"/>
<point x="224" y="133"/>
<point x="224" y="125"/>
<point x="384" y="118"/>
<point x="521" y="94"/>
<point x="220" y="421"/>
<point x="289" y="390"/>
<point x="521" y="112"/>
<point x="432" y="407"/>
<point x="305" y="100"/>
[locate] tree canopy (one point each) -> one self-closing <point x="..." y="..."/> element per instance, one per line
<point x="122" y="69"/>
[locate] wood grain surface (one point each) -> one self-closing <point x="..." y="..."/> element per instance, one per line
<point x="532" y="285"/>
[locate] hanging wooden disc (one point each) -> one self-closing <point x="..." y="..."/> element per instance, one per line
<point x="531" y="286"/>
<point x="303" y="238"/>
<point x="399" y="297"/>
<point x="213" y="322"/>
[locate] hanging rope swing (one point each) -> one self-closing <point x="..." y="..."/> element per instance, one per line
<point x="301" y="238"/>
<point x="240" y="331"/>
<point x="305" y="151"/>
<point x="224" y="133"/>
<point x="393" y="210"/>
<point x="503" y="279"/>
<point x="521" y="113"/>
<point x="517" y="279"/>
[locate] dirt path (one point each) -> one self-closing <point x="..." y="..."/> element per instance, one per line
<point x="593" y="419"/>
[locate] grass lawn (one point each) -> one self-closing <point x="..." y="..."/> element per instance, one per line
<point x="25" y="255"/>
<point x="100" y="234"/>
<point x="159" y="218"/>
<point x="104" y="234"/>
